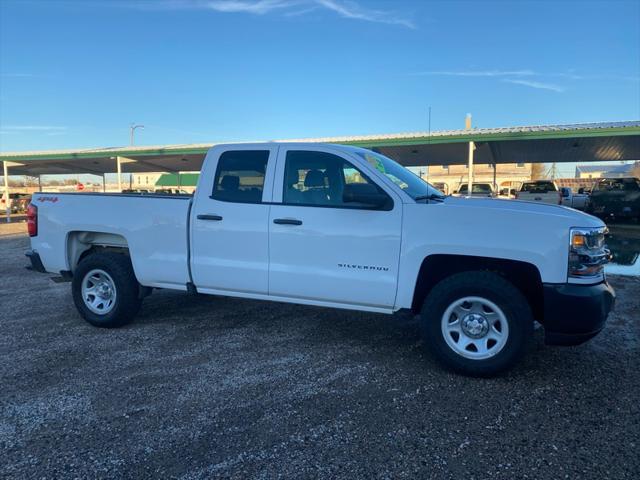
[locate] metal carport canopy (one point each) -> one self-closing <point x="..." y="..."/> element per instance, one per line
<point x="587" y="142"/>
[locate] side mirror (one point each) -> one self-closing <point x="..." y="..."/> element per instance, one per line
<point x="566" y="192"/>
<point x="364" y="193"/>
<point x="581" y="190"/>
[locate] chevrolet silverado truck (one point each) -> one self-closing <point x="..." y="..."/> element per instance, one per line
<point x="341" y="227"/>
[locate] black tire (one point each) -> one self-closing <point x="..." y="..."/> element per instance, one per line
<point x="127" y="301"/>
<point x="500" y="292"/>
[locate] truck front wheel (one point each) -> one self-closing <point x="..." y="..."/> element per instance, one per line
<point x="105" y="290"/>
<point x="476" y="323"/>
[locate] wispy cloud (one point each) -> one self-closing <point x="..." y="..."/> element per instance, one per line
<point x="479" y="73"/>
<point x="49" y="130"/>
<point x="536" y="85"/>
<point x="356" y="12"/>
<point x="531" y="78"/>
<point x="16" y="75"/>
<point x="344" y="8"/>
<point x="259" y="7"/>
<point x="40" y="128"/>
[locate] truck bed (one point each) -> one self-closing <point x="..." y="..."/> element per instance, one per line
<point x="153" y="227"/>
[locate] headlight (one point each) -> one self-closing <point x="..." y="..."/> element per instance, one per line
<point x="587" y="252"/>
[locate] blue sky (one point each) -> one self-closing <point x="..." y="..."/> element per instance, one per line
<point x="77" y="73"/>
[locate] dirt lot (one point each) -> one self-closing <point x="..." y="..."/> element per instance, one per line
<point x="203" y="387"/>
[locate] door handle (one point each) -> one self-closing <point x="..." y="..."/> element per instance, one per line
<point x="287" y="221"/>
<point x="210" y="217"/>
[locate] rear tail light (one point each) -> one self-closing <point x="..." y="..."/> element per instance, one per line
<point x="32" y="220"/>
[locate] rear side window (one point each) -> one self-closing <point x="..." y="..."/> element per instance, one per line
<point x="240" y="176"/>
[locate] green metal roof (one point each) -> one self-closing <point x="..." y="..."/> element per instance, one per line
<point x="171" y="180"/>
<point x="551" y="143"/>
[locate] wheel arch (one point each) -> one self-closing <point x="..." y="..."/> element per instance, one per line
<point x="80" y="244"/>
<point x="523" y="275"/>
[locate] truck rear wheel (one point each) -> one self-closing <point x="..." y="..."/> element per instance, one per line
<point x="476" y="323"/>
<point x="105" y="290"/>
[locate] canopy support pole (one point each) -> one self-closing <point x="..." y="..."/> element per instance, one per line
<point x="5" y="169"/>
<point x="104" y="184"/>
<point x="495" y="184"/>
<point x="119" y="168"/>
<point x="39" y="183"/>
<point x="472" y="147"/>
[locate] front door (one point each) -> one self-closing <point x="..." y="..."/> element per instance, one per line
<point x="322" y="248"/>
<point x="229" y="236"/>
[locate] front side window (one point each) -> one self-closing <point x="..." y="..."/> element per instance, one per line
<point x="321" y="179"/>
<point x="408" y="181"/>
<point x="240" y="176"/>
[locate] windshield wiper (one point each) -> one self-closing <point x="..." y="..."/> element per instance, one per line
<point x="431" y="196"/>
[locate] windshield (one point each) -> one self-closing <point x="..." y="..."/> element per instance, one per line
<point x="408" y="181"/>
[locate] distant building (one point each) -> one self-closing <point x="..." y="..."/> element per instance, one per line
<point x="600" y="171"/>
<point x="449" y="177"/>
<point x="145" y="181"/>
<point x="158" y="181"/>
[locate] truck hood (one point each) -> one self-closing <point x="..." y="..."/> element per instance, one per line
<point x="573" y="217"/>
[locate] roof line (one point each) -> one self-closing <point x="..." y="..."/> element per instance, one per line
<point x="583" y="130"/>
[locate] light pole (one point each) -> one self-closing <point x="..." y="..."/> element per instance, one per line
<point x="132" y="130"/>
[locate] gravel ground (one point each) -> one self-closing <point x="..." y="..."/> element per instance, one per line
<point x="203" y="387"/>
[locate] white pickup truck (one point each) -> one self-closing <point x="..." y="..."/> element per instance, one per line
<point x="341" y="227"/>
<point x="546" y="191"/>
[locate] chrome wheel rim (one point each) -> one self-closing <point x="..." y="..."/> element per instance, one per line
<point x="475" y="328"/>
<point x="98" y="292"/>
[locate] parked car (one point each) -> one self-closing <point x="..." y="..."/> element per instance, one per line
<point x="507" y="193"/>
<point x="442" y="186"/>
<point x="171" y="191"/>
<point x="18" y="202"/>
<point x="544" y="191"/>
<point x="578" y="200"/>
<point x="336" y="226"/>
<point x="616" y="198"/>
<point x="140" y="191"/>
<point x="478" y="190"/>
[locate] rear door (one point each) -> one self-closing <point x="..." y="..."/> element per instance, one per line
<point x="230" y="221"/>
<point x="323" y="249"/>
